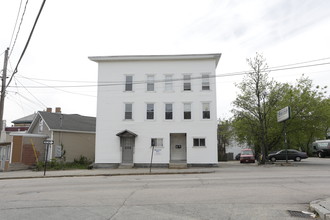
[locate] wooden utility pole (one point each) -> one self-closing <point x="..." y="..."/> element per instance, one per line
<point x="3" y="87"/>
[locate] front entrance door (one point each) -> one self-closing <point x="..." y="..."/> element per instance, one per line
<point x="178" y="147"/>
<point x="127" y="149"/>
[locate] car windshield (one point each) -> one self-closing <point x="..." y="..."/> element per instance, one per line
<point x="246" y="152"/>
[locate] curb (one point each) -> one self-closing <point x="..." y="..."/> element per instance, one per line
<point x="114" y="174"/>
<point x="318" y="206"/>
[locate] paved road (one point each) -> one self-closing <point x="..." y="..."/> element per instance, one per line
<point x="235" y="191"/>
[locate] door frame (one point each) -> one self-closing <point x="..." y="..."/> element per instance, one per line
<point x="182" y="136"/>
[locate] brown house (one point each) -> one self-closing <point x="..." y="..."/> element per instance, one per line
<point x="70" y="133"/>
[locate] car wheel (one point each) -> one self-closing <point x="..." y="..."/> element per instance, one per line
<point x="298" y="159"/>
<point x="273" y="159"/>
<point x="320" y="154"/>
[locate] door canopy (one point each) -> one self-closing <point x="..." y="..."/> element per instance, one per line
<point x="126" y="133"/>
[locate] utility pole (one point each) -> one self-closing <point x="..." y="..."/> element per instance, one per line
<point x="3" y="87"/>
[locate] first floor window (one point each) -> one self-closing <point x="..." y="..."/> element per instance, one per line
<point x="156" y="142"/>
<point x="206" y="110"/>
<point x="150" y="111"/>
<point x="186" y="111"/>
<point x="128" y="111"/>
<point x="168" y="111"/>
<point x="199" y="142"/>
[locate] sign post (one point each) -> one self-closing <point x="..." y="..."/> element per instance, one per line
<point x="282" y="116"/>
<point x="47" y="142"/>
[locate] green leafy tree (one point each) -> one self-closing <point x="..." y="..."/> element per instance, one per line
<point x="254" y="112"/>
<point x="310" y="113"/>
<point x="225" y="133"/>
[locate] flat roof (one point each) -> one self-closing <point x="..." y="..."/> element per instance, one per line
<point x="215" y="56"/>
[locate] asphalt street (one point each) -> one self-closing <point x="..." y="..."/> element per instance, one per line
<point x="234" y="191"/>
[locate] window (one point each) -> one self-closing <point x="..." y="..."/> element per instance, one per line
<point x="168" y="111"/>
<point x="187" y="111"/>
<point x="168" y="83"/>
<point x="150" y="111"/>
<point x="206" y="110"/>
<point x="41" y="125"/>
<point x="205" y="82"/>
<point x="199" y="142"/>
<point x="186" y="83"/>
<point x="150" y="83"/>
<point x="128" y="111"/>
<point x="156" y="142"/>
<point x="129" y="83"/>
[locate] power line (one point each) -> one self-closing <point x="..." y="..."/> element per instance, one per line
<point x="32" y="94"/>
<point x="27" y="43"/>
<point x="271" y="69"/>
<point x="19" y="27"/>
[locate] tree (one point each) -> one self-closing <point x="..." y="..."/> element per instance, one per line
<point x="254" y="112"/>
<point x="224" y="137"/>
<point x="310" y="113"/>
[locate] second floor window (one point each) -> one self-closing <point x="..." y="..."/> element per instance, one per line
<point x="186" y="83"/>
<point x="186" y="111"/>
<point x="206" y="111"/>
<point x="150" y="111"/>
<point x="128" y="111"/>
<point x="150" y="83"/>
<point x="168" y="111"/>
<point x="205" y="82"/>
<point x="129" y="83"/>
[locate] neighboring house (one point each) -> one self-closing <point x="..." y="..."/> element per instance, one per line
<point x="164" y="102"/>
<point x="21" y="124"/>
<point x="72" y="133"/>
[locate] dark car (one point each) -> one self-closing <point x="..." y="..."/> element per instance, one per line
<point x="247" y="156"/>
<point x="292" y="155"/>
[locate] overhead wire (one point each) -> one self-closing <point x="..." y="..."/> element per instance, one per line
<point x="31" y="94"/>
<point x="19" y="27"/>
<point x="27" y="43"/>
<point x="119" y="83"/>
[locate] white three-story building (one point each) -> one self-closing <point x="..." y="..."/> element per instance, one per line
<point x="156" y="107"/>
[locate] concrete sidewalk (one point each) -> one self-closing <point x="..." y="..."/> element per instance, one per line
<point x="27" y="174"/>
<point x="321" y="207"/>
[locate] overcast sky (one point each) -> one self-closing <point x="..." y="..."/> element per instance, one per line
<point x="284" y="31"/>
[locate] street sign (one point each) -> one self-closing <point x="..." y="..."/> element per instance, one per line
<point x="48" y="141"/>
<point x="283" y="114"/>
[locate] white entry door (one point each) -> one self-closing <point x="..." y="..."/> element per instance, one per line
<point x="178" y="147"/>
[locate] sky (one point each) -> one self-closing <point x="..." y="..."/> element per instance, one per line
<point x="55" y="70"/>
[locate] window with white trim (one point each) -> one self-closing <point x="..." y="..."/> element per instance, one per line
<point x="168" y="83"/>
<point x="128" y="111"/>
<point x="168" y="111"/>
<point x="206" y="111"/>
<point x="157" y="142"/>
<point x="205" y="81"/>
<point x="150" y="111"/>
<point x="187" y="111"/>
<point x="199" y="142"/>
<point x="129" y="83"/>
<point x="186" y="82"/>
<point x="150" y="83"/>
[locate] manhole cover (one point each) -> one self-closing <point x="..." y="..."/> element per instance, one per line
<point x="301" y="214"/>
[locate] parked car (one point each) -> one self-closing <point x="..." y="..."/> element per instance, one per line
<point x="292" y="155"/>
<point x="238" y="156"/>
<point x="321" y="148"/>
<point x="247" y="156"/>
